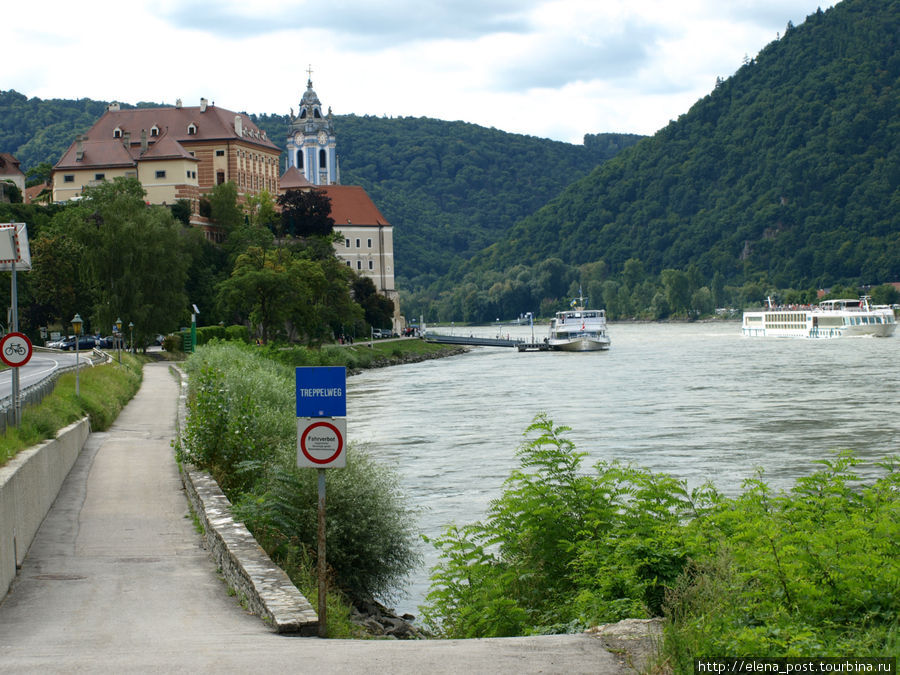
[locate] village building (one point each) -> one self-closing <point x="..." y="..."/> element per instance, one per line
<point x="175" y="152"/>
<point x="10" y="173"/>
<point x="367" y="238"/>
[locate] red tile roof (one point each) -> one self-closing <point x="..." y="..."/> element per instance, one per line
<point x="104" y="143"/>
<point x="9" y="165"/>
<point x="350" y="205"/>
<point x="292" y="179"/>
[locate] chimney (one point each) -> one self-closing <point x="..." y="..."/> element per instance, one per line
<point x="126" y="139"/>
<point x="143" y="141"/>
<point x="239" y="125"/>
<point x="178" y="103"/>
<point x="79" y="148"/>
<point x="203" y="104"/>
<point x="113" y="107"/>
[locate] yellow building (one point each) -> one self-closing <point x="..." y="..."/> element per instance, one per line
<point x="176" y="153"/>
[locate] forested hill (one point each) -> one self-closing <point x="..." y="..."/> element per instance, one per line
<point x="787" y="173"/>
<point x="452" y="188"/>
<point x="449" y="188"/>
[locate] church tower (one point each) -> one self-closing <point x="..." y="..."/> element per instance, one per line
<point x="311" y="146"/>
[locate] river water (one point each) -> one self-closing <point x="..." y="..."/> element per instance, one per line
<point x="697" y="401"/>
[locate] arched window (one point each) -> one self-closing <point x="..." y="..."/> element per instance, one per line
<point x="117" y="133"/>
<point x="154" y="131"/>
<point x="300" y="159"/>
<point x="322" y="160"/>
<point x="192" y="129"/>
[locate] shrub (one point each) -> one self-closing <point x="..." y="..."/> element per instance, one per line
<point x="242" y="428"/>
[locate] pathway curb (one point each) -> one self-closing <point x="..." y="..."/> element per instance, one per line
<point x="265" y="588"/>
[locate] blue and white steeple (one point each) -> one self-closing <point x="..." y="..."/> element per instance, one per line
<point x="311" y="146"/>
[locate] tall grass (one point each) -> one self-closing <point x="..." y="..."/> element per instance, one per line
<point x="242" y="428"/>
<point x="104" y="391"/>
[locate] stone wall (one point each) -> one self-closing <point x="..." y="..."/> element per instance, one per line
<point x="260" y="583"/>
<point x="29" y="483"/>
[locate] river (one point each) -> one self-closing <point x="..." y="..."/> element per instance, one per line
<point x="697" y="401"/>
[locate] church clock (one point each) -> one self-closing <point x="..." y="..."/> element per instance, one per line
<point x="323" y="137"/>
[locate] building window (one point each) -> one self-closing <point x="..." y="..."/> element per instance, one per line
<point x="359" y="264"/>
<point x="369" y="244"/>
<point x="347" y="243"/>
<point x="300" y="160"/>
<point x="99" y="176"/>
<point x="348" y="263"/>
<point x="160" y="174"/>
<point x="371" y="265"/>
<point x="192" y="129"/>
<point x="357" y="243"/>
<point x="69" y="178"/>
<point x="220" y="153"/>
<point x="117" y="133"/>
<point x="220" y="177"/>
<point x="154" y="131"/>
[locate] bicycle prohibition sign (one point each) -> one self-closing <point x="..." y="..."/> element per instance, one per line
<point x="15" y="349"/>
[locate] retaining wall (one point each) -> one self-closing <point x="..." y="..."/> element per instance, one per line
<point x="265" y="588"/>
<point x="29" y="483"/>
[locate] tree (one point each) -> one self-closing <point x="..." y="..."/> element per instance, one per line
<point x="305" y="213"/>
<point x="379" y="310"/>
<point x="132" y="258"/>
<point x="39" y="175"/>
<point x="261" y="289"/>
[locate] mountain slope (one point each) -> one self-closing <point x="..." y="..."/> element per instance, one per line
<point x="789" y="170"/>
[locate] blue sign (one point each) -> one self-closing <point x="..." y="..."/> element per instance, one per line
<point x="322" y="391"/>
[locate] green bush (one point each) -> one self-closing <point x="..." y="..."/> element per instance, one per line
<point x="811" y="572"/>
<point x="242" y="428"/>
<point x="174" y="342"/>
<point x="237" y="333"/>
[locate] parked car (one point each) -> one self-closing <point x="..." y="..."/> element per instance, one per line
<point x="85" y="342"/>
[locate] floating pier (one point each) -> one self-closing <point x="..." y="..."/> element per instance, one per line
<point x="471" y="340"/>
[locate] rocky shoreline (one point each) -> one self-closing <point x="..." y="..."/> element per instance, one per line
<point x="411" y="357"/>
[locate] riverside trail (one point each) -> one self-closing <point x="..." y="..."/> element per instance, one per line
<point x="117" y="581"/>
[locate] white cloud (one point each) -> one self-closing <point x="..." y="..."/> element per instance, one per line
<point x="553" y="68"/>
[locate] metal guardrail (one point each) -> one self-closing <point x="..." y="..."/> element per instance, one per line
<point x="35" y="393"/>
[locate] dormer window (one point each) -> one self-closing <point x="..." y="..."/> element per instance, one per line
<point x="192" y="129"/>
<point x="154" y="131"/>
<point x="117" y="133"/>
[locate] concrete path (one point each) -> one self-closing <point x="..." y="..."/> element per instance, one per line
<point x="117" y="581"/>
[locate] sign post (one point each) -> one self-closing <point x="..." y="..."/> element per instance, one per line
<point x="322" y="444"/>
<point x="14" y="250"/>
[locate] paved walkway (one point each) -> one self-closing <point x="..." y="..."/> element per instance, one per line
<point x="116" y="581"/>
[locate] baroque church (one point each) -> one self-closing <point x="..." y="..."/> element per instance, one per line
<point x="367" y="244"/>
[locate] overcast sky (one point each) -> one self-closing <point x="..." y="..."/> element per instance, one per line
<point x="550" y="68"/>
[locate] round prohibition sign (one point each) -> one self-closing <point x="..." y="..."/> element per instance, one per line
<point x="15" y="349"/>
<point x="322" y="445"/>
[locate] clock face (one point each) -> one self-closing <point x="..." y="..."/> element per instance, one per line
<point x="323" y="138"/>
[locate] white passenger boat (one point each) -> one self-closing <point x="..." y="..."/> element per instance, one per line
<point x="578" y="330"/>
<point x="829" y="319"/>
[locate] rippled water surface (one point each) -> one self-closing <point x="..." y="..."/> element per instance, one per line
<point x="697" y="401"/>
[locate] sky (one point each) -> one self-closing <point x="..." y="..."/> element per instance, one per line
<point x="549" y="68"/>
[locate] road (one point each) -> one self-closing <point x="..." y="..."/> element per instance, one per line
<point x="117" y="581"/>
<point x="41" y="365"/>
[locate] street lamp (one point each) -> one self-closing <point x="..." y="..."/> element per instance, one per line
<point x="131" y="328"/>
<point x="119" y="339"/>
<point x="76" y="328"/>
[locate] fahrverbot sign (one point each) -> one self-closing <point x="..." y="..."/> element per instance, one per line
<point x="320" y="443"/>
<point x="321" y="391"/>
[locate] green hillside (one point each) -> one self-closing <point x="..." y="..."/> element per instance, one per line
<point x="788" y="173"/>
<point x="452" y="188"/>
<point x="449" y="188"/>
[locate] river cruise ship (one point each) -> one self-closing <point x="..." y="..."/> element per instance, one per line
<point x="578" y="330"/>
<point x="829" y="319"/>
